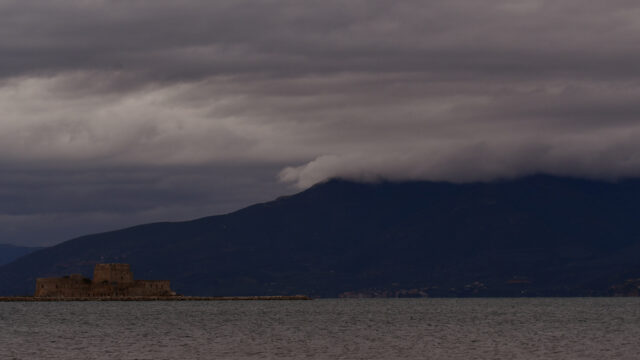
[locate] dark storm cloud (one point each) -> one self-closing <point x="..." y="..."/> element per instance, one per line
<point x="166" y="40"/>
<point x="134" y="110"/>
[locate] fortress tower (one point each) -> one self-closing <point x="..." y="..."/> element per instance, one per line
<point x="112" y="274"/>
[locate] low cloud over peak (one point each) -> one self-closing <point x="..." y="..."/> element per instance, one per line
<point x="269" y="91"/>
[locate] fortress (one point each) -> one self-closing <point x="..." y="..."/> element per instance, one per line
<point x="109" y="280"/>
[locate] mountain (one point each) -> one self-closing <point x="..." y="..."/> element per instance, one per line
<point x="534" y="236"/>
<point x="9" y="252"/>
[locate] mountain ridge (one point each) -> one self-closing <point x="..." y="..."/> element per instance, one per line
<point x="534" y="236"/>
<point x="10" y="252"/>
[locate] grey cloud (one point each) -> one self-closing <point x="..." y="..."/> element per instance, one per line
<point x="166" y="40"/>
<point x="143" y="107"/>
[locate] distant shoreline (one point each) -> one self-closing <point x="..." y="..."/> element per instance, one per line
<point x="152" y="298"/>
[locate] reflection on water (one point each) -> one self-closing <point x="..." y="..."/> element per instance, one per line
<point x="585" y="328"/>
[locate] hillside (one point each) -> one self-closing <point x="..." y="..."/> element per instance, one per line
<point x="538" y="235"/>
<point x="9" y="253"/>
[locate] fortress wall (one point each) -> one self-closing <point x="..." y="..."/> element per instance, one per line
<point x="100" y="290"/>
<point x="62" y="287"/>
<point x="151" y="288"/>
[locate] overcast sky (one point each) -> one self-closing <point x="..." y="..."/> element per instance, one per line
<point x="115" y="113"/>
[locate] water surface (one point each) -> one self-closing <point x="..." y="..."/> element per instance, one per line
<point x="583" y="328"/>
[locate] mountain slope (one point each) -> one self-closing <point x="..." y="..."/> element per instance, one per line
<point x="9" y="252"/>
<point x="539" y="235"/>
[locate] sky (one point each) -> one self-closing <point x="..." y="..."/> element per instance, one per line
<point x="117" y="113"/>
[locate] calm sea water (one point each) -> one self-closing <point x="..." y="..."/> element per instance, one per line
<point x="585" y="328"/>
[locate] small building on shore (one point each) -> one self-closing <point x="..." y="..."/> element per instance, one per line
<point x="109" y="280"/>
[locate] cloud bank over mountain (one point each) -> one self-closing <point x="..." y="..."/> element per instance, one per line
<point x="162" y="110"/>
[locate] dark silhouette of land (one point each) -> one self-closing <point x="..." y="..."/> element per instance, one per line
<point x="9" y="253"/>
<point x="535" y="236"/>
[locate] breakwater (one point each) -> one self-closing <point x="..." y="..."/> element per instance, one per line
<point x="155" y="298"/>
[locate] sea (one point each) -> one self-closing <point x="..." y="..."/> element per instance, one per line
<point x="533" y="328"/>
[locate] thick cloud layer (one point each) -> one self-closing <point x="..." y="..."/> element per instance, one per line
<point x="118" y="112"/>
